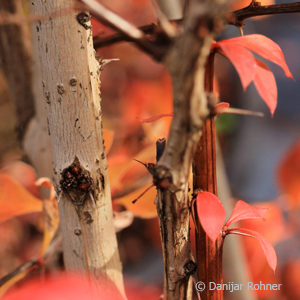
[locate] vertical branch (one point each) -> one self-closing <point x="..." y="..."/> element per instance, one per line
<point x="209" y="254"/>
<point x="186" y="62"/>
<point x="173" y="167"/>
<point x="68" y="75"/>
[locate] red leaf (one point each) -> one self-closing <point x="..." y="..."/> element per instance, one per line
<point x="242" y="59"/>
<point x="265" y="84"/>
<point x="211" y="214"/>
<point x="250" y="68"/>
<point x="264" y="47"/>
<point x="244" y="211"/>
<point x="65" y="286"/>
<point x="221" y="107"/>
<point x="266" y="246"/>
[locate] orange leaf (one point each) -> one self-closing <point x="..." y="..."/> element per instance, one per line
<point x="146" y="96"/>
<point x="24" y="174"/>
<point x="125" y="171"/>
<point x="155" y="118"/>
<point x="50" y="214"/>
<point x="144" y="207"/>
<point x="15" y="200"/>
<point x="265" y="84"/>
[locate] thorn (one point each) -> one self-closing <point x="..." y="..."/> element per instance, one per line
<point x="143" y="193"/>
<point x="245" y="112"/>
<point x="145" y="165"/>
<point x="232" y="231"/>
<point x="104" y="62"/>
<point x="149" y="166"/>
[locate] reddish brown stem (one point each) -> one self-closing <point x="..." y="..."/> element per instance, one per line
<point x="208" y="254"/>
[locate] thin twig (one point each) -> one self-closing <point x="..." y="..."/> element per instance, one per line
<point x="142" y="194"/>
<point x="129" y="31"/>
<point x="235" y="18"/>
<point x="26" y="266"/>
<point x="36" y="262"/>
<point x="245" y="112"/>
<point x="100" y="42"/>
<point x="255" y="10"/>
<point x="113" y="20"/>
<point x="233" y="231"/>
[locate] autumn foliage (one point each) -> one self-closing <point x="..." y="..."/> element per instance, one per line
<point x="144" y="114"/>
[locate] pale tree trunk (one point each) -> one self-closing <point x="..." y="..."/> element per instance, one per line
<point x="68" y="77"/>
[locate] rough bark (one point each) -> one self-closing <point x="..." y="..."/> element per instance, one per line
<point x="15" y="62"/>
<point x="186" y="62"/>
<point x="68" y="75"/>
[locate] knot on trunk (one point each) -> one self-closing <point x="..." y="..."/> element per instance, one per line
<point x="76" y="182"/>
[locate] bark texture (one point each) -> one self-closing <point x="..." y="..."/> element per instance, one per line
<point x="186" y="63"/>
<point x="68" y="76"/>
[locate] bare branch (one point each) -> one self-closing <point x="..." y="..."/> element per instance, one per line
<point x="117" y="23"/>
<point x="255" y="9"/>
<point x="186" y="60"/>
<point x="235" y="18"/>
<point x="245" y="112"/>
<point x="113" y="20"/>
<point x="120" y="37"/>
<point x="34" y="263"/>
